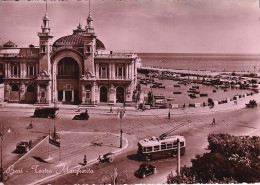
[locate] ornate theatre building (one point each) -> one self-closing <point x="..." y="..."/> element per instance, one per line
<point x="75" y="69"/>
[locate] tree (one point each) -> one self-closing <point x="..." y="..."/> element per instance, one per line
<point x="232" y="159"/>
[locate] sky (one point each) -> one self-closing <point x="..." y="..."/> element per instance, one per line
<point x="161" y="26"/>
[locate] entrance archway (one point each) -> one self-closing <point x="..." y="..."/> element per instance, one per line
<point x="14" y="94"/>
<point x="103" y="94"/>
<point x="120" y="94"/>
<point x="68" y="72"/>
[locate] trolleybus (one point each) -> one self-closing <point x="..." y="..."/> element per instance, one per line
<point x="160" y="147"/>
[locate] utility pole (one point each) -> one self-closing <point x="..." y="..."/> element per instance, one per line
<point x="169" y="113"/>
<point x="121" y="114"/>
<point x="178" y="157"/>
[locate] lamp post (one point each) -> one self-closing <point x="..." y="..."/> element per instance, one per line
<point x="121" y="114"/>
<point x="2" y="133"/>
<point x="169" y="113"/>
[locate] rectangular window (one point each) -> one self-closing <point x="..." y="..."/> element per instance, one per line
<point x="163" y="147"/>
<point x="43" y="49"/>
<point x="1" y="66"/>
<point x="169" y="146"/>
<point x="156" y="148"/>
<point x="120" y="71"/>
<point x="148" y="149"/>
<point x="15" y="70"/>
<point x="30" y="70"/>
<point x="103" y="71"/>
<point x="88" y="49"/>
<point x="182" y="144"/>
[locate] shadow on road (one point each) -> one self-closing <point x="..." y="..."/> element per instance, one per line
<point x="39" y="159"/>
<point x="133" y="157"/>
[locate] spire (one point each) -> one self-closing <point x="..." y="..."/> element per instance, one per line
<point x="89" y="27"/>
<point x="46" y="26"/>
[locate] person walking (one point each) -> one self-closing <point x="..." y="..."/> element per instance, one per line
<point x="213" y="121"/>
<point x="85" y="160"/>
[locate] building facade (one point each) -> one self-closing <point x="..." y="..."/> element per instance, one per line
<point x="75" y="69"/>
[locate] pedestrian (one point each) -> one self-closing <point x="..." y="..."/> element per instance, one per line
<point x="213" y="121"/>
<point x="111" y="110"/>
<point x="85" y="160"/>
<point x="78" y="109"/>
<point x="31" y="125"/>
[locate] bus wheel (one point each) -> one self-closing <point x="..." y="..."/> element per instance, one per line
<point x="174" y="153"/>
<point x="148" y="158"/>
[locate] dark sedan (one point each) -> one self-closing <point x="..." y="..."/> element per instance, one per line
<point x="145" y="170"/>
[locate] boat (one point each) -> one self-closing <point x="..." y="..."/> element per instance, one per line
<point x="170" y="99"/>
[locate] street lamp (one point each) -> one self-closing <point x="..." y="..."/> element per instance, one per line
<point x="169" y="113"/>
<point x="121" y="114"/>
<point x="2" y="133"/>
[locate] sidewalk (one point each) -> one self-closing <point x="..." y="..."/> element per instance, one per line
<point x="131" y="111"/>
<point x="36" y="166"/>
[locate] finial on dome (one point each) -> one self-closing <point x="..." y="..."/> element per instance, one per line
<point x="79" y="26"/>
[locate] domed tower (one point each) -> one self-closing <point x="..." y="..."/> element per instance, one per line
<point x="44" y="76"/>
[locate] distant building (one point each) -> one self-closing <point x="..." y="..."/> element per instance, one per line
<point x="74" y="69"/>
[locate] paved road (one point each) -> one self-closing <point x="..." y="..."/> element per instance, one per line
<point x="239" y="122"/>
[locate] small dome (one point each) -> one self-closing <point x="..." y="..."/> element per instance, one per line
<point x="76" y="41"/>
<point x="9" y="44"/>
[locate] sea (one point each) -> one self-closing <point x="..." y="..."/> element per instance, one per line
<point x="208" y="62"/>
<point x="203" y="61"/>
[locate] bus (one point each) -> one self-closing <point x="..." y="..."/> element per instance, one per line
<point x="155" y="148"/>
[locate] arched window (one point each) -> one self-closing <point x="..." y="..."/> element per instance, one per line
<point x="15" y="87"/>
<point x="68" y="68"/>
<point x="30" y="88"/>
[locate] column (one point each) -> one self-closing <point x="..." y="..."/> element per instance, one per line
<point x="130" y="71"/>
<point x="63" y="97"/>
<point x="113" y="71"/>
<point x="83" y="94"/>
<point x="9" y="69"/>
<point x="97" y="70"/>
<point x="109" y="71"/>
<point x="72" y="96"/>
<point x="93" y="93"/>
<point x="6" y="70"/>
<point x="126" y="71"/>
<point x="38" y="93"/>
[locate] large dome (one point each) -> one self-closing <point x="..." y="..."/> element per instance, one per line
<point x="76" y="41"/>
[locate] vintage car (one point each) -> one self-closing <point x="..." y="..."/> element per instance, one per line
<point x="251" y="104"/>
<point x="45" y="112"/>
<point x="145" y="170"/>
<point x="23" y="146"/>
<point x="82" y="116"/>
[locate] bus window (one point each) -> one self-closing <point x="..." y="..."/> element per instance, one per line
<point x="169" y="146"/>
<point x="148" y="149"/>
<point x="163" y="147"/>
<point x="156" y="148"/>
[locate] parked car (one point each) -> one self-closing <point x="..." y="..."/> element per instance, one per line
<point x="45" y="112"/>
<point x="82" y="116"/>
<point x="23" y="146"/>
<point x="145" y="170"/>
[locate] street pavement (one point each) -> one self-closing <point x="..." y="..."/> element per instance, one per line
<point x="36" y="166"/>
<point x="46" y="161"/>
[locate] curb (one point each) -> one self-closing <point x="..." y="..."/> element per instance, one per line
<point x="80" y="166"/>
